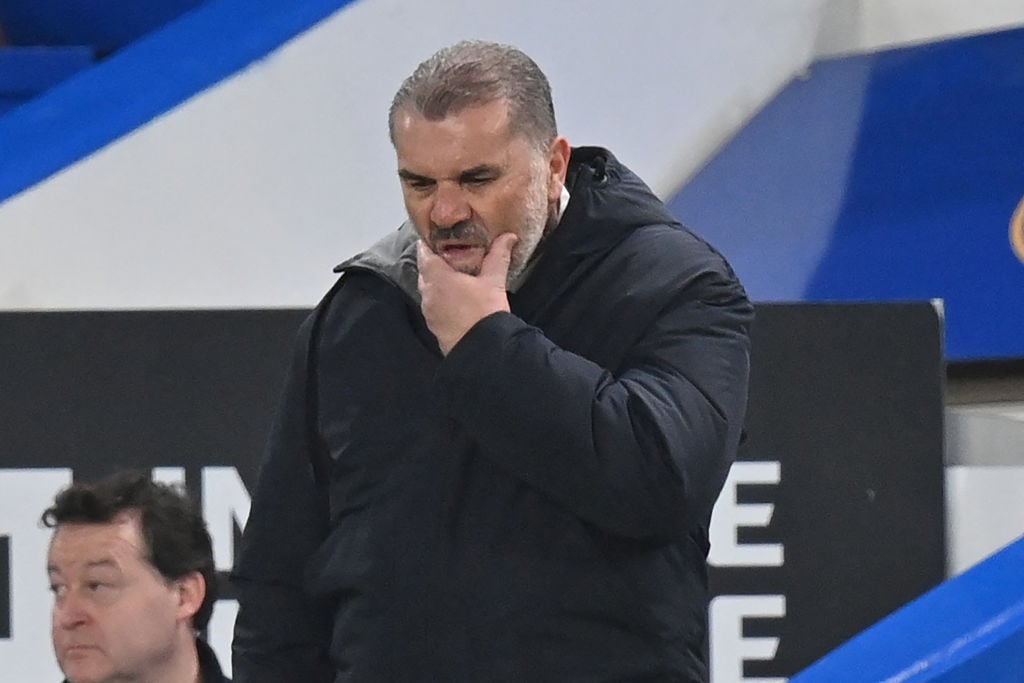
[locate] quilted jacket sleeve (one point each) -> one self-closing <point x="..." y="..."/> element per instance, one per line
<point x="642" y="452"/>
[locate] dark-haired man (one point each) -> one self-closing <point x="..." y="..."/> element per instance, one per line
<point x="506" y="425"/>
<point x="132" y="574"/>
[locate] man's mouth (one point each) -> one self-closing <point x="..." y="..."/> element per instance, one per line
<point x="465" y="257"/>
<point x="456" y="248"/>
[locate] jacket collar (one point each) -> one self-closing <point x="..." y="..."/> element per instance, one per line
<point x="209" y="667"/>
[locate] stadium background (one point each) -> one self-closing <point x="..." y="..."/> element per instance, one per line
<point x="222" y="156"/>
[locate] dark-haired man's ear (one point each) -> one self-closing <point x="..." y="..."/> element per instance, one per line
<point x="191" y="592"/>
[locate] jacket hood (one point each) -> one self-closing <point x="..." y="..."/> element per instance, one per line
<point x="607" y="202"/>
<point x="393" y="257"/>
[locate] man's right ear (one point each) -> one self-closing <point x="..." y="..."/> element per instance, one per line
<point x="191" y="591"/>
<point x="558" y="166"/>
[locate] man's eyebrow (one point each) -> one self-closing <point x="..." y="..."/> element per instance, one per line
<point x="102" y="563"/>
<point x="468" y="174"/>
<point x="482" y="169"/>
<point x="406" y="174"/>
<point x="92" y="564"/>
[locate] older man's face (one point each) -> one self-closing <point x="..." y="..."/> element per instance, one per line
<point x="115" y="617"/>
<point x="467" y="179"/>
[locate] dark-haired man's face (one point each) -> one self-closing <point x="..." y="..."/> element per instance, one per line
<point x="115" y="617"/>
<point x="467" y="179"/>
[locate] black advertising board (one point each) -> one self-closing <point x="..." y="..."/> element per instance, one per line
<point x="832" y="518"/>
<point x="95" y="390"/>
<point x="845" y="419"/>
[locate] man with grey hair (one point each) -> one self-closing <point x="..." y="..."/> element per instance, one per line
<point x="506" y="425"/>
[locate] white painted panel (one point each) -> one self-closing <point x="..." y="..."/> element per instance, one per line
<point x="985" y="434"/>
<point x="985" y="511"/>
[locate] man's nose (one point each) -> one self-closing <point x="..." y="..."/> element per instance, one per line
<point x="450" y="206"/>
<point x="69" y="612"/>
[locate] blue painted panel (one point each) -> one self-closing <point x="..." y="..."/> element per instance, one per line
<point x="969" y="629"/>
<point x="106" y="25"/>
<point x="890" y="176"/>
<point x="144" y="80"/>
<point x="27" y="71"/>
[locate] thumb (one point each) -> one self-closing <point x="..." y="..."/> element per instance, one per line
<point x="498" y="258"/>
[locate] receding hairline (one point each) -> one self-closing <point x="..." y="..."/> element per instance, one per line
<point x="476" y="73"/>
<point x="130" y="517"/>
<point x="503" y="125"/>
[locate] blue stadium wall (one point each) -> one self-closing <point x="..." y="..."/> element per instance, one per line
<point x="887" y="176"/>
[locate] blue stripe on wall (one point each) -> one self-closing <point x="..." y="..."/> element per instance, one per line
<point x="144" y="80"/>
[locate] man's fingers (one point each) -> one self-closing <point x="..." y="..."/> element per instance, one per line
<point x="499" y="257"/>
<point x="423" y="254"/>
<point x="427" y="262"/>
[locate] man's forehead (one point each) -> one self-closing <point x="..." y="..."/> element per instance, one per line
<point x="97" y="543"/>
<point x="493" y="114"/>
<point x="457" y="145"/>
<point x="487" y="123"/>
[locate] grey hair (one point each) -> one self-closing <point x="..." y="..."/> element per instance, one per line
<point x="473" y="73"/>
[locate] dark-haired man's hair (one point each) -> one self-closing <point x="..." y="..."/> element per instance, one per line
<point x="177" y="542"/>
<point x="473" y="73"/>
